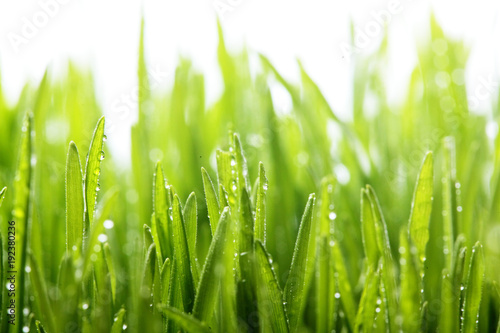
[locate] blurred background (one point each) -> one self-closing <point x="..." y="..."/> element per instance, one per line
<point x="104" y="36"/>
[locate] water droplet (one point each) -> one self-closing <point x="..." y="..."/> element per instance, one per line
<point x="108" y="224"/>
<point x="27" y="269"/>
<point x="377" y="310"/>
<point x="104" y="138"/>
<point x="124" y="326"/>
<point x="26" y="311"/>
<point x="98" y="187"/>
<point x="102" y="238"/>
<point x="85" y="306"/>
<point x="332" y="243"/>
<point x="97" y="171"/>
<point x="265" y="187"/>
<point x="103" y="155"/>
<point x="459" y="209"/>
<point x="331" y="207"/>
<point x="332" y="216"/>
<point x="270" y="260"/>
<point x="337" y="295"/>
<point x="74" y="248"/>
<point x="235" y="254"/>
<point x="233" y="162"/>
<point x="97" y="248"/>
<point x="26" y="329"/>
<point x="462" y="287"/>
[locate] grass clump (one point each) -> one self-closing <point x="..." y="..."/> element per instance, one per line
<point x="102" y="249"/>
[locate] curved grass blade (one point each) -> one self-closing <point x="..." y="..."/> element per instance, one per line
<point x="260" y="209"/>
<point x="212" y="201"/>
<point x="191" y="226"/>
<point x="295" y="291"/>
<point x="473" y="290"/>
<point x="160" y="210"/>
<point x="118" y="324"/>
<point x="272" y="313"/>
<point x="185" y="321"/>
<point x="74" y="202"/>
<point x="368" y="231"/>
<point x="208" y="288"/>
<point x="181" y="252"/>
<point x="421" y="207"/>
<point x="93" y="171"/>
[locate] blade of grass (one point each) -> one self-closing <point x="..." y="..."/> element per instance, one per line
<point x="369" y="231"/>
<point x="272" y="313"/>
<point x="295" y="293"/>
<point x="260" y="211"/>
<point x="473" y="290"/>
<point x="160" y="210"/>
<point x="212" y="201"/>
<point x="182" y="255"/>
<point x="421" y="207"/>
<point x="118" y="325"/>
<point x="74" y="202"/>
<point x="2" y="195"/>
<point x="409" y="286"/>
<point x="41" y="295"/>
<point x="185" y="321"/>
<point x="208" y="287"/>
<point x="191" y="226"/>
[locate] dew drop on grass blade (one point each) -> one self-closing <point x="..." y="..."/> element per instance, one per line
<point x="212" y="201"/>
<point x="295" y="291"/>
<point x="208" y="287"/>
<point x="74" y="202"/>
<point x="421" y="207"/>
<point x="473" y="290"/>
<point x="118" y="322"/>
<point x="272" y="314"/>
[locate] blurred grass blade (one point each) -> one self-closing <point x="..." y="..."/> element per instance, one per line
<point x="207" y="291"/>
<point x="344" y="286"/>
<point x="365" y="317"/>
<point x="473" y="290"/>
<point x="2" y="195"/>
<point x="295" y="291"/>
<point x="185" y="321"/>
<point x="41" y="295"/>
<point x="421" y="207"/>
<point x="74" y="202"/>
<point x="21" y="213"/>
<point x="272" y="315"/>
<point x="369" y="231"/>
<point x="409" y="285"/>
<point x="212" y="201"/>
<point x="118" y="324"/>
<point x="182" y="256"/>
<point x="260" y="209"/>
<point x="39" y="327"/>
<point x="241" y="164"/>
<point x="191" y="226"/>
<point x="324" y="285"/>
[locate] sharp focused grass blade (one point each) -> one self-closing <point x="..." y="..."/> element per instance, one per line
<point x="185" y="321"/>
<point x="473" y="290"/>
<point x="181" y="253"/>
<point x="191" y="227"/>
<point x="74" y="202"/>
<point x="421" y="207"/>
<point x="207" y="291"/>
<point x="272" y="315"/>
<point x="2" y="195"/>
<point x="295" y="291"/>
<point x="260" y="211"/>
<point x="93" y="170"/>
<point x="160" y="210"/>
<point x="212" y="201"/>
<point x="369" y="231"/>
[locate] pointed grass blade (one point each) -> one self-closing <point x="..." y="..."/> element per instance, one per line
<point x="74" y="202"/>
<point x="191" y="226"/>
<point x="295" y="291"/>
<point x="208" y="288"/>
<point x="160" y="209"/>
<point x="260" y="209"/>
<point x="272" y="313"/>
<point x="421" y="207"/>
<point x="118" y="324"/>
<point x="212" y="201"/>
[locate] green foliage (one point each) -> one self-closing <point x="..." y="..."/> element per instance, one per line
<point x="242" y="254"/>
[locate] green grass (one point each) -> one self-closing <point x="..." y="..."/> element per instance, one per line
<point x="223" y="232"/>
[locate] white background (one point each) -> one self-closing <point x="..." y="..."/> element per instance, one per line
<point x="103" y="35"/>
